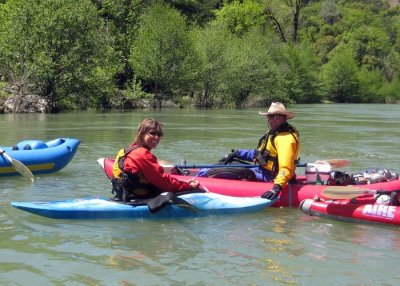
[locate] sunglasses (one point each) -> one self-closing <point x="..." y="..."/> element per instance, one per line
<point x="274" y="116"/>
<point x="155" y="133"/>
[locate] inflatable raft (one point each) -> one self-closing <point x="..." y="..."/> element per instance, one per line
<point x="40" y="157"/>
<point x="105" y="208"/>
<point x="291" y="196"/>
<point x="364" y="209"/>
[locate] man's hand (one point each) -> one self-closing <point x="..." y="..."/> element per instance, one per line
<point x="272" y="194"/>
<point x="229" y="158"/>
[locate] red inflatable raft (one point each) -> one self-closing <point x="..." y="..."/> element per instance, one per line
<point x="364" y="209"/>
<point x="291" y="196"/>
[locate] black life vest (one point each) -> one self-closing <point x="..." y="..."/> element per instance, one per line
<point x="264" y="156"/>
<point x="128" y="186"/>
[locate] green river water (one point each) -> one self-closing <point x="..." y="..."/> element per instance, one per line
<point x="272" y="247"/>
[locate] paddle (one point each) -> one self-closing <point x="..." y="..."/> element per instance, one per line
<point x="166" y="198"/>
<point x="335" y="163"/>
<point x="347" y="192"/>
<point x="185" y="204"/>
<point x="18" y="166"/>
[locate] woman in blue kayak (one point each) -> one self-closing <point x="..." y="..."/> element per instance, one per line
<point x="277" y="152"/>
<point x="137" y="171"/>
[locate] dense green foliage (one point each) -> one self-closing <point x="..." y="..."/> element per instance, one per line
<point x="213" y="53"/>
<point x="58" y="49"/>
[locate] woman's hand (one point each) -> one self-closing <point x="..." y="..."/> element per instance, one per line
<point x="194" y="183"/>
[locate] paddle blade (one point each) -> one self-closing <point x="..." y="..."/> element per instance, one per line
<point x="18" y="166"/>
<point x="159" y="202"/>
<point x="335" y="163"/>
<point x="346" y="192"/>
<point x="186" y="205"/>
<point x="22" y="169"/>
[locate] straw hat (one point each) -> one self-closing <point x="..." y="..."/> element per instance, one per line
<point x="277" y="108"/>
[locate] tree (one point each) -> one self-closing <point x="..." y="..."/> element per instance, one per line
<point x="330" y="12"/>
<point x="391" y="65"/>
<point x="299" y="67"/>
<point x="240" y="16"/>
<point x="250" y="70"/>
<point x="371" y="84"/>
<point x="211" y="43"/>
<point x="390" y="91"/>
<point x="57" y="49"/>
<point x="163" y="54"/>
<point x="371" y="45"/>
<point x="279" y="12"/>
<point x="340" y="77"/>
<point x="122" y="20"/>
<point x="198" y="12"/>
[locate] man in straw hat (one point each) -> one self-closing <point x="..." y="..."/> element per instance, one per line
<point x="277" y="152"/>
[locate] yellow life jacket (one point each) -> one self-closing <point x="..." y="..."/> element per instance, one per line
<point x="268" y="155"/>
<point x="117" y="171"/>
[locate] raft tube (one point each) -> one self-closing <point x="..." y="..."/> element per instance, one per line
<point x="290" y="196"/>
<point x="40" y="157"/>
<point x="365" y="210"/>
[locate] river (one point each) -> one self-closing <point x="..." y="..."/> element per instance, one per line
<point x="272" y="247"/>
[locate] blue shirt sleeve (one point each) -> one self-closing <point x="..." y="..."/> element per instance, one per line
<point x="247" y="154"/>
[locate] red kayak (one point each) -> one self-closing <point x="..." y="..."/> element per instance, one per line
<point x="364" y="209"/>
<point x="291" y="196"/>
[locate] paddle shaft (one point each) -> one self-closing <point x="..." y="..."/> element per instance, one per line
<point x="335" y="163"/>
<point x="224" y="166"/>
<point x="5" y="155"/>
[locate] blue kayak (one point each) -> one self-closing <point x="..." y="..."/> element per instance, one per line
<point x="40" y="157"/>
<point x="106" y="208"/>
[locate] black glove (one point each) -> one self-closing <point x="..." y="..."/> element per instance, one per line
<point x="272" y="194"/>
<point x="229" y="158"/>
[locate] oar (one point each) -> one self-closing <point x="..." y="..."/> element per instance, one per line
<point x="335" y="163"/>
<point x="162" y="200"/>
<point x="347" y="192"/>
<point x="185" y="204"/>
<point x="18" y="166"/>
<point x="201" y="166"/>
